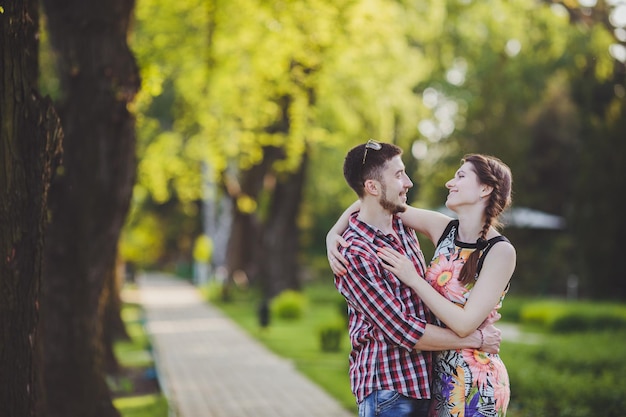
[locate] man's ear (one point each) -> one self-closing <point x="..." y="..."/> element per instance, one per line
<point x="372" y="187"/>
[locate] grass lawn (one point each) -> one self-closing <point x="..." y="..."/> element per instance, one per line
<point x="136" y="392"/>
<point x="150" y="405"/>
<point x="569" y="374"/>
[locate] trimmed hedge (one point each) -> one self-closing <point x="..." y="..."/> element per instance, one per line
<point x="578" y="316"/>
<point x="289" y="305"/>
<point x="330" y="335"/>
<point x="575" y="375"/>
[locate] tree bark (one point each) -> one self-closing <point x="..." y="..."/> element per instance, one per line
<point x="245" y="237"/>
<point x="267" y="248"/>
<point x="280" y="240"/>
<point x="30" y="139"/>
<point x="89" y="198"/>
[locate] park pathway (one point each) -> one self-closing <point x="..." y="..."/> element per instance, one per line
<point x="209" y="367"/>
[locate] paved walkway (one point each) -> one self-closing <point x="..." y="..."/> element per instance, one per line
<point x="209" y="367"/>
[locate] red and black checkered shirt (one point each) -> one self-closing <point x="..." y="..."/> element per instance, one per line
<point x="386" y="319"/>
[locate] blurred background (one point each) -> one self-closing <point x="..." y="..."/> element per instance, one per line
<point x="247" y="109"/>
<point x="206" y="139"/>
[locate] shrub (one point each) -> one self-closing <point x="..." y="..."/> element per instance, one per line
<point x="512" y="308"/>
<point x="342" y="309"/>
<point x="212" y="291"/>
<point x="574" y="321"/>
<point x="330" y="336"/>
<point x="289" y="305"/>
<point x="574" y="316"/>
<point x="541" y="313"/>
<point x="577" y="375"/>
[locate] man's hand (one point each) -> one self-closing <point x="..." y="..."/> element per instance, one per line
<point x="492" y="337"/>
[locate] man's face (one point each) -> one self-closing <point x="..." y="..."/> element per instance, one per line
<point x="394" y="186"/>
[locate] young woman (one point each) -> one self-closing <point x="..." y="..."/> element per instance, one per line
<point x="464" y="284"/>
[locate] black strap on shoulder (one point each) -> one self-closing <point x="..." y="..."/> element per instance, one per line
<point x="446" y="232"/>
<point x="490" y="244"/>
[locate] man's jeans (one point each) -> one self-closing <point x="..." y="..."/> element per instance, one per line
<point x="385" y="403"/>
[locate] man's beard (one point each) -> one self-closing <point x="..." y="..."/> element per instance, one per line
<point x="390" y="206"/>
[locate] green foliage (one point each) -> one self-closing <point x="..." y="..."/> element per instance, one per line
<point x="568" y="316"/>
<point x="224" y="81"/>
<point x="512" y="308"/>
<point x="573" y="375"/>
<point x="142" y="244"/>
<point x="135" y="353"/>
<point x="530" y="106"/>
<point x="230" y="65"/>
<point x="289" y="305"/>
<point x="578" y="375"/>
<point x="331" y="334"/>
<point x="49" y="83"/>
<point x="142" y="406"/>
<point x="212" y="291"/>
<point x="528" y="82"/>
<point x="202" y="249"/>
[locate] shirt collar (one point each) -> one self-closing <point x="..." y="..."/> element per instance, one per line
<point x="368" y="232"/>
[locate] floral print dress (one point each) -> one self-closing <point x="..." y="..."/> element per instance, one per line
<point x="466" y="382"/>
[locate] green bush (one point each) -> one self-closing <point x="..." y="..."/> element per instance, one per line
<point x="342" y="309"/>
<point x="588" y="320"/>
<point x="212" y="291"/>
<point x="331" y="334"/>
<point x="289" y="305"/>
<point x="573" y="316"/>
<point x="577" y="375"/>
<point x="512" y="308"/>
<point x="557" y="375"/>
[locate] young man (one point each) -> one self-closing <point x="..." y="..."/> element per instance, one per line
<point x="390" y="361"/>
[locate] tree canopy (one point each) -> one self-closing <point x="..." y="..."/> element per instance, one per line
<point x="240" y="94"/>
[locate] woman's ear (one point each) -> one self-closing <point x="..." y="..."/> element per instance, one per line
<point x="485" y="191"/>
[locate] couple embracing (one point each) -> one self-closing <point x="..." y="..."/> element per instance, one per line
<point x="423" y="340"/>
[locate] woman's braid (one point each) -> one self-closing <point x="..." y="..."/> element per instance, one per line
<point x="494" y="173"/>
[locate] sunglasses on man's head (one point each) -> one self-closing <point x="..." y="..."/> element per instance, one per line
<point x="373" y="145"/>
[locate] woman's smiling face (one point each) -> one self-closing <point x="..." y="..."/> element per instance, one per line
<point x="464" y="188"/>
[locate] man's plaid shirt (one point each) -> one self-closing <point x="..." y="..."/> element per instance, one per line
<point x="386" y="319"/>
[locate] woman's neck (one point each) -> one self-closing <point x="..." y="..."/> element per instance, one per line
<point x="470" y="227"/>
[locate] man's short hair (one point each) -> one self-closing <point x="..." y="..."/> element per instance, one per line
<point x="366" y="162"/>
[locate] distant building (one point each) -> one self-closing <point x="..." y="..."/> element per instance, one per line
<point x="524" y="217"/>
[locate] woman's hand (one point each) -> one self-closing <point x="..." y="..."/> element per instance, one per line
<point x="335" y="259"/>
<point x="399" y="265"/>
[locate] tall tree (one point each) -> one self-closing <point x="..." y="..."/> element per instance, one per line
<point x="30" y="140"/>
<point x="598" y="88"/>
<point x="532" y="83"/>
<point x="89" y="197"/>
<point x="255" y="87"/>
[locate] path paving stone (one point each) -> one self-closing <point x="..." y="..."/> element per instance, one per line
<point x="209" y="367"/>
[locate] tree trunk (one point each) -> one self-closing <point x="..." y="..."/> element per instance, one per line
<point x="113" y="327"/>
<point x="30" y="139"/>
<point x="89" y="199"/>
<point x="280" y="241"/>
<point x="244" y="242"/>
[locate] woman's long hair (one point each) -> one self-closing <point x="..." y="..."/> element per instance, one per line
<point x="494" y="173"/>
